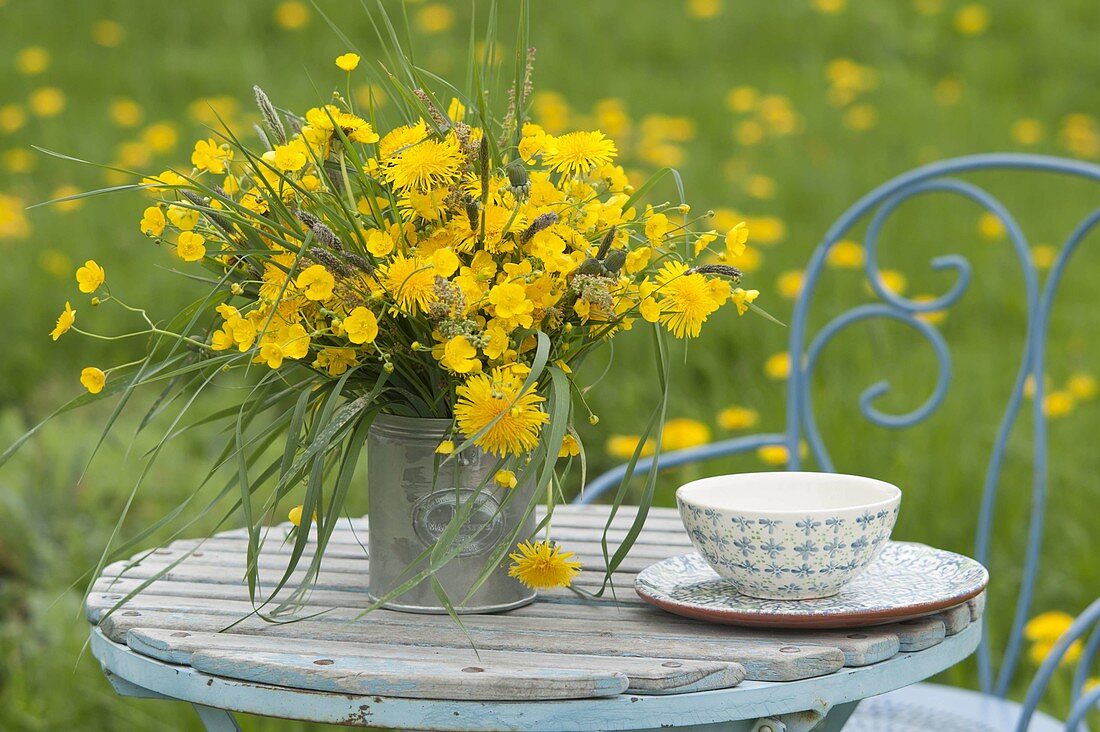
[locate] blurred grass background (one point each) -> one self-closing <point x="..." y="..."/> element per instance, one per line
<point x="782" y="113"/>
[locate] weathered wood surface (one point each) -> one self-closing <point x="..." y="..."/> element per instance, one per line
<point x="196" y="610"/>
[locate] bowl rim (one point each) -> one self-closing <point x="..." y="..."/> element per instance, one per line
<point x="894" y="498"/>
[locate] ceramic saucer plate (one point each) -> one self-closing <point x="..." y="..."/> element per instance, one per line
<point x="905" y="581"/>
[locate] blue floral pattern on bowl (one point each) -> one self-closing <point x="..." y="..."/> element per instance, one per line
<point x="788" y="557"/>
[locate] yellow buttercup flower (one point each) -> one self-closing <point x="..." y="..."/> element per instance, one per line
<point x="577" y="153"/>
<point x="778" y="366"/>
<point x="361" y="326"/>
<point x="93" y="379"/>
<point x="90" y="276"/>
<point x="972" y="20"/>
<point x="290" y="158"/>
<point x="460" y="356"/>
<point x="656" y="227"/>
<point x="445" y="448"/>
<point x="1082" y="386"/>
<point x="191" y="247"/>
<point x="789" y="283"/>
<point x="990" y="226"/>
<point x="736" y="239"/>
<point x="773" y="454"/>
<point x="32" y="60"/>
<point x="1058" y="404"/>
<point x="348" y="61"/>
<point x="738" y="418"/>
<point x="64" y="322"/>
<point x="49" y="101"/>
<point x="570" y="447"/>
<point x="495" y="402"/>
<point x="335" y="360"/>
<point x="316" y="283"/>
<point x="687" y="299"/>
<point x="295" y="515"/>
<point x="505" y="479"/>
<point x="845" y="254"/>
<point x="292" y="15"/>
<point x="183" y="218"/>
<point x="743" y="298"/>
<point x="208" y="155"/>
<point x="542" y="565"/>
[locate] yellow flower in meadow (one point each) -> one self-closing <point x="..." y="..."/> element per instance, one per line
<point x="126" y="112"/>
<point x="687" y="299"/>
<point x="12" y="117"/>
<point x="315" y="282"/>
<point x="845" y="254"/>
<point x="435" y="18"/>
<point x="829" y="7"/>
<point x="1090" y="685"/>
<point x="64" y="322"/>
<point x="576" y="153"/>
<point x="411" y="282"/>
<point x="348" y="61"/>
<point x="361" y="326"/>
<point x="1058" y="404"/>
<point x="505" y="479"/>
<point x="773" y="454"/>
<point x="496" y="403"/>
<point x="161" y="136"/>
<point x="542" y="565"/>
<point x="623" y="446"/>
<point x="152" y="221"/>
<point x="107" y="33"/>
<point x="1027" y="131"/>
<point x="292" y="15"/>
<point x="705" y="9"/>
<point x="743" y="298"/>
<point x="446" y="447"/>
<point x="13" y="222"/>
<point x="1082" y="386"/>
<point x="208" y="155"/>
<point x="335" y="360"/>
<point x="426" y="164"/>
<point x="93" y="379"/>
<point x="570" y="447"/>
<point x="1043" y="255"/>
<point x="90" y="276"/>
<point x="460" y="356"/>
<point x="972" y="19"/>
<point x="1048" y="626"/>
<point x="48" y="101"/>
<point x="737" y="418"/>
<point x="191" y="247"/>
<point x="32" y="60"/>
<point x="892" y="280"/>
<point x="1040" y="650"/>
<point x="789" y="283"/>
<point x="778" y="366"/>
<point x="682" y="433"/>
<point x="990" y="226"/>
<point x="932" y="317"/>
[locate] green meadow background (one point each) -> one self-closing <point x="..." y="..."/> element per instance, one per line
<point x="779" y="113"/>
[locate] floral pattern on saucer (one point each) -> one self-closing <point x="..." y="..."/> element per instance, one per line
<point x="905" y="580"/>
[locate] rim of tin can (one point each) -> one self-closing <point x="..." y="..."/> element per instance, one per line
<point x="414" y="427"/>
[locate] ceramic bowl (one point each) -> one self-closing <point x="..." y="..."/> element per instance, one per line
<point x="785" y="535"/>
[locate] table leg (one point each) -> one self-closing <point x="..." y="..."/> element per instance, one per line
<point x="216" y="720"/>
<point x="837" y="717"/>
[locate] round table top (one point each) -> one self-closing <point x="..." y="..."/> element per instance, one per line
<point x="562" y="663"/>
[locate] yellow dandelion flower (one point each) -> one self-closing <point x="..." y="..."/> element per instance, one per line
<point x="426" y="164"/>
<point x="411" y="282"/>
<point x="505" y="479"/>
<point x="1027" y="131"/>
<point x="90" y="276"/>
<point x="932" y="317"/>
<point x="1058" y="404"/>
<point x="542" y="565"/>
<point x="1048" y="626"/>
<point x="400" y="138"/>
<point x="846" y="254"/>
<point x="32" y="60"/>
<point x="579" y="152"/>
<point x="737" y="418"/>
<point x="93" y="379"/>
<point x="789" y="283"/>
<point x="329" y="117"/>
<point x="972" y="20"/>
<point x="348" y="61"/>
<point x="1082" y="386"/>
<point x="778" y="366"/>
<point x="990" y="226"/>
<point x="686" y="300"/>
<point x="511" y="420"/>
<point x="1043" y="255"/>
<point x="623" y="446"/>
<point x="64" y="322"/>
<point x="682" y="433"/>
<point x="773" y="454"/>
<point x="435" y="18"/>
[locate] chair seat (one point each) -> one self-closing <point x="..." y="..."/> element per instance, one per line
<point x="933" y="707"/>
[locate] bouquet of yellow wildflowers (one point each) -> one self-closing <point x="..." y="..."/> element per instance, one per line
<point x="453" y="264"/>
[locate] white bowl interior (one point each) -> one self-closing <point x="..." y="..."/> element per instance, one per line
<point x="788" y="492"/>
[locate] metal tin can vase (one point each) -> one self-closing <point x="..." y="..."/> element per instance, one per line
<point x="412" y="499"/>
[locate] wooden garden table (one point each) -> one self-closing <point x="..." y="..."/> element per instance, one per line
<point x="561" y="663"/>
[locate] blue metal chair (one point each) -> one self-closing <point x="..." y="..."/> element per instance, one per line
<point x="932" y="706"/>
